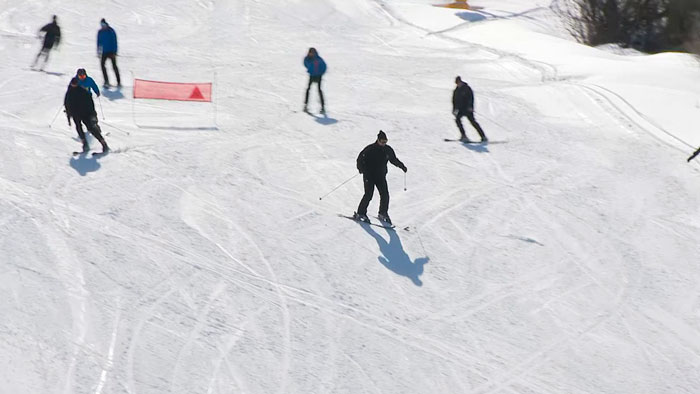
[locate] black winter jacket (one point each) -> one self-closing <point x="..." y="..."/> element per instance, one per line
<point x="53" y="35"/>
<point x="78" y="103"/>
<point x="463" y="98"/>
<point x="372" y="160"/>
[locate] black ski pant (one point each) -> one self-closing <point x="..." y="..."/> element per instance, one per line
<point x="470" y="116"/>
<point x="317" y="80"/>
<point x="370" y="183"/>
<point x="44" y="51"/>
<point x="113" y="57"/>
<point x="93" y="128"/>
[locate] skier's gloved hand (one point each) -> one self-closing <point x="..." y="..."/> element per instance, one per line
<point x="404" y="169"/>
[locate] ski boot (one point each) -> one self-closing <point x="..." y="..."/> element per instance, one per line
<point x="485" y="140"/>
<point x="105" y="148"/>
<point x="360" y="217"/>
<point x="383" y="217"/>
<point x="465" y="139"/>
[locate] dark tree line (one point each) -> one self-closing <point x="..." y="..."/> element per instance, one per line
<point x="646" y="25"/>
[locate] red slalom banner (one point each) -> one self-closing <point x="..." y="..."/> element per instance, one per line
<point x="180" y="91"/>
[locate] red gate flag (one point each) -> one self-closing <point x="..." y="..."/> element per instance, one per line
<point x="172" y="90"/>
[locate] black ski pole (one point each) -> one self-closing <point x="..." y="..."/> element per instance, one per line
<point x="55" y="116"/>
<point x="336" y="188"/>
<point x="404" y="181"/>
<point x="99" y="100"/>
<point x="693" y="155"/>
<point x="115" y="127"/>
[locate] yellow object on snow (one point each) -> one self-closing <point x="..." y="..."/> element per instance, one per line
<point x="462" y="4"/>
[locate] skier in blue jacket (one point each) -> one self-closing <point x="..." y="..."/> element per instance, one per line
<point x="316" y="67"/>
<point x="107" y="49"/>
<point x="86" y="82"/>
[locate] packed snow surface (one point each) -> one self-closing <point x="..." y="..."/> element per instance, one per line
<point x="197" y="258"/>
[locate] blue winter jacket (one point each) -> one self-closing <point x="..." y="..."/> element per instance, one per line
<point x="89" y="83"/>
<point x="107" y="40"/>
<point x="315" y="66"/>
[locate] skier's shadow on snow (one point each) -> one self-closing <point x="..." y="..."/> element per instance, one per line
<point x="395" y="257"/>
<point x="323" y="119"/>
<point x="479" y="148"/>
<point x="84" y="164"/>
<point x="471" y="16"/>
<point x="112" y="94"/>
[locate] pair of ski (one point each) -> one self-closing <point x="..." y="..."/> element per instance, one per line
<point x="380" y="224"/>
<point x="94" y="154"/>
<point x="308" y="112"/>
<point x="473" y="142"/>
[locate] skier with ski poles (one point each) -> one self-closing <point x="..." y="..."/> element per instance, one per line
<point x="107" y="49"/>
<point x="316" y="67"/>
<point x="697" y="152"/>
<point x="88" y="84"/>
<point x="371" y="163"/>
<point x="79" y="106"/>
<point x="463" y="105"/>
<point x="52" y="37"/>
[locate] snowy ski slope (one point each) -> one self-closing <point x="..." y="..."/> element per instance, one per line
<point x="199" y="259"/>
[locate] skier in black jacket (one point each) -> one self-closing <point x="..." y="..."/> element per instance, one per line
<point x="51" y="38"/>
<point x="463" y="105"/>
<point x="372" y="165"/>
<point x="79" y="106"/>
<point x="697" y="152"/>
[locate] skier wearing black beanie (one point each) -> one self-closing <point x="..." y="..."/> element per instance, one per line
<point x="371" y="163"/>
